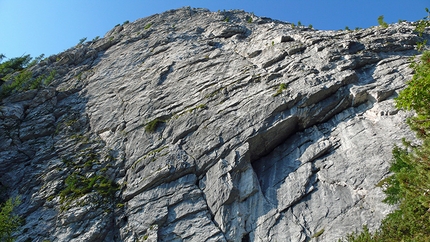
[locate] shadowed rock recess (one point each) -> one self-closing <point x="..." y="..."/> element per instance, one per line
<point x="193" y="125"/>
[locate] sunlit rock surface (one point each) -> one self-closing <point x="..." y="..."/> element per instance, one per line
<point x="261" y="131"/>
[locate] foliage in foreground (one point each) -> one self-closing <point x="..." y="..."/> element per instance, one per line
<point x="9" y="222"/>
<point x="409" y="186"/>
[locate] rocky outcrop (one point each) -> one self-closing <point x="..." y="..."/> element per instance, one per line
<point x="193" y="125"/>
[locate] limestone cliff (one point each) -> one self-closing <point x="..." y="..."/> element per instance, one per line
<point x="193" y="125"/>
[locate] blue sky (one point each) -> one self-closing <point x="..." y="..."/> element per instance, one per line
<point x="50" y="26"/>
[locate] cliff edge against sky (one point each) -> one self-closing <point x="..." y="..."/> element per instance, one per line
<point x="193" y="125"/>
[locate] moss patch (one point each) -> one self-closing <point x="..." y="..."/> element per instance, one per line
<point x="152" y="126"/>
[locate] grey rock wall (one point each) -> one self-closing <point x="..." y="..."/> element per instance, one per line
<point x="233" y="157"/>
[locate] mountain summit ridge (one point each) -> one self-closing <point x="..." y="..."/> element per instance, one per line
<point x="208" y="126"/>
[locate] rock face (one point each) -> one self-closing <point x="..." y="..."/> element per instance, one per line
<point x="193" y="125"/>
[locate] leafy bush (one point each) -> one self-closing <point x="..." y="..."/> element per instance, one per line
<point x="9" y="222"/>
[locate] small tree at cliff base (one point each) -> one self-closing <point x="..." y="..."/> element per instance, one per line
<point x="9" y="222"/>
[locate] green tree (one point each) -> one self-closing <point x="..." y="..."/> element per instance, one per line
<point x="9" y="222"/>
<point x="13" y="65"/>
<point x="81" y="41"/>
<point x="381" y="21"/>
<point x="416" y="96"/>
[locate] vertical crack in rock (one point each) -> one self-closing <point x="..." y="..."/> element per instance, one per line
<point x="202" y="186"/>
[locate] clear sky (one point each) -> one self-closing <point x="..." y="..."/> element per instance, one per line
<point x="50" y="26"/>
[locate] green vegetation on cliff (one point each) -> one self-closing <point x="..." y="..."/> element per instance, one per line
<point x="9" y="222"/>
<point x="15" y="75"/>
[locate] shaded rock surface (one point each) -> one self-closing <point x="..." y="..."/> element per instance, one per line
<point x="208" y="130"/>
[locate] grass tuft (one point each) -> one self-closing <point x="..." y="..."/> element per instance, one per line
<point x="281" y="88"/>
<point x="152" y="126"/>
